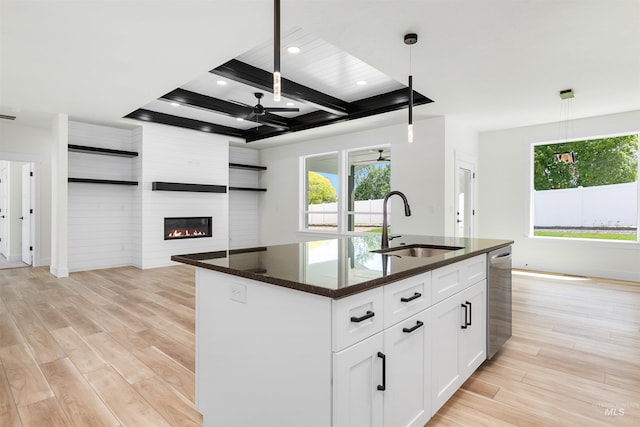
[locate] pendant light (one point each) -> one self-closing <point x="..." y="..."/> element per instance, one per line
<point x="410" y="39"/>
<point x="276" y="50"/>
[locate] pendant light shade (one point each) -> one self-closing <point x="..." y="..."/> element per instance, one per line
<point x="276" y="51"/>
<point x="410" y="39"/>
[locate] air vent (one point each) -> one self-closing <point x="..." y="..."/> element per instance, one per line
<point x="6" y="117"/>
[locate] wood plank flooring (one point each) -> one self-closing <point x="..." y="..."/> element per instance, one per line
<point x="115" y="347"/>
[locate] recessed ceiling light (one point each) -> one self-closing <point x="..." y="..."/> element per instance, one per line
<point x="290" y="104"/>
<point x="293" y="49"/>
<point x="221" y="83"/>
<point x="361" y="82"/>
<point x="175" y="104"/>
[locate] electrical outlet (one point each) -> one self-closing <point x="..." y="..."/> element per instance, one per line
<point x="238" y="293"/>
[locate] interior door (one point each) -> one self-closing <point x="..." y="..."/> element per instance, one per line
<point x="464" y="196"/>
<point x="4" y="220"/>
<point x="27" y="216"/>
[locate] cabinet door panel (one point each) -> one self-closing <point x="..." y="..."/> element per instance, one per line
<point x="407" y="399"/>
<point x="357" y="372"/>
<point x="447" y="318"/>
<point x="346" y="326"/>
<point x="473" y="338"/>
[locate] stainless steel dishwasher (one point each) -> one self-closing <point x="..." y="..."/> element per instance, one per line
<point x="498" y="300"/>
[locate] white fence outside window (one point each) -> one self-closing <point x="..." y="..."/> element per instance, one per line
<point x="325" y="213"/>
<point x="599" y="206"/>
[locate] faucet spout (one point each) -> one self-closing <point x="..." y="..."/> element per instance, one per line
<point x="385" y="222"/>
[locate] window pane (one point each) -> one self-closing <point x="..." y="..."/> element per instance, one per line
<point x="587" y="189"/>
<point x="369" y="182"/>
<point x="322" y="192"/>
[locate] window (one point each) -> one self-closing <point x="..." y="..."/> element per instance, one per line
<point x="365" y="176"/>
<point x="587" y="189"/>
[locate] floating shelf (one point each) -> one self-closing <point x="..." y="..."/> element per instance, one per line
<point x="196" y="188"/>
<point x="247" y="189"/>
<point x="102" y="181"/>
<point x="250" y="167"/>
<point x="103" y="151"/>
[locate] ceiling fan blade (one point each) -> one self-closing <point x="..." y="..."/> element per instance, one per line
<point x="282" y="109"/>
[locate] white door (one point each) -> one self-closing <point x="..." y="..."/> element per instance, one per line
<point x="357" y="375"/>
<point x="464" y="195"/>
<point x="4" y="213"/>
<point x="407" y="346"/>
<point x="447" y="319"/>
<point x="473" y="338"/>
<point x="27" y="214"/>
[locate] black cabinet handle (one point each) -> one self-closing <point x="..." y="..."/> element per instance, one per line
<point x="382" y="356"/>
<point x="416" y="295"/>
<point x="369" y="315"/>
<point x="409" y="330"/>
<point x="466" y="313"/>
<point x="469" y="304"/>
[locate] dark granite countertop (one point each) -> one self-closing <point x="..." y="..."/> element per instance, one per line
<point x="337" y="267"/>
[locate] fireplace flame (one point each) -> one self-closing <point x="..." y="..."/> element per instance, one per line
<point x="185" y="233"/>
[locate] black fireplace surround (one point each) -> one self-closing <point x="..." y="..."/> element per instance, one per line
<point x="188" y="227"/>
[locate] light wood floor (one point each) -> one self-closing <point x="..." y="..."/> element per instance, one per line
<point x="116" y="347"/>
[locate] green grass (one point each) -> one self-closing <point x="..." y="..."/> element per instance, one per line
<point x="582" y="235"/>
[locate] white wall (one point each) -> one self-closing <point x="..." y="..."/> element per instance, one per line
<point x="505" y="203"/>
<point x="170" y="154"/>
<point x="418" y="170"/>
<point x="244" y="205"/>
<point x="33" y="144"/>
<point x="101" y="217"/>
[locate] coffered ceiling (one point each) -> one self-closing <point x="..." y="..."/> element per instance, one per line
<point x="325" y="84"/>
<point x="487" y="64"/>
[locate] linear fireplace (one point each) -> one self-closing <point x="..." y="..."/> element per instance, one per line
<point x="188" y="227"/>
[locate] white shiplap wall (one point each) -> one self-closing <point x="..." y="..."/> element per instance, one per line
<point x="243" y="205"/>
<point x="101" y="217"/>
<point x="177" y="155"/>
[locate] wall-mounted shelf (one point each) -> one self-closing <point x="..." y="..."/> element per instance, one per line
<point x="102" y="181"/>
<point x="248" y="167"/>
<point x="102" y="151"/>
<point x="247" y="189"/>
<point x="179" y="186"/>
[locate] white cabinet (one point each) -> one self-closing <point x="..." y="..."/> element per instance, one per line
<point x="357" y="373"/>
<point x="384" y="380"/>
<point x="459" y="346"/>
<point x="407" y="347"/>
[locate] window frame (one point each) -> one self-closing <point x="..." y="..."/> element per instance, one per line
<point x="343" y="185"/>
<point x="531" y="191"/>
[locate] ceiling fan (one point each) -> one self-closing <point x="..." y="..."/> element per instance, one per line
<point x="260" y="110"/>
<point x="380" y="158"/>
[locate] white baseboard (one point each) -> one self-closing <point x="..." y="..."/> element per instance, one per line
<point x="59" y="272"/>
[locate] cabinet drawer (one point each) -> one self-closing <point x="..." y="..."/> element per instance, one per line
<point x="446" y="281"/>
<point x="406" y="298"/>
<point x="356" y="318"/>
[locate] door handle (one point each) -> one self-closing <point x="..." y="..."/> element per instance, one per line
<point x="466" y="313"/>
<point x="469" y="304"/>
<point x="382" y="356"/>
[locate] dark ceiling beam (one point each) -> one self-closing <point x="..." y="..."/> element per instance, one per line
<point x="378" y="104"/>
<point x="244" y="73"/>
<point x="168" y="119"/>
<point x="227" y="108"/>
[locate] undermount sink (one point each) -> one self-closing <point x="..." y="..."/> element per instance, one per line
<point x="418" y="251"/>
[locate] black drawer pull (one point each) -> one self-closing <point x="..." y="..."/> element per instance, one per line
<point x="382" y="356"/>
<point x="409" y="330"/>
<point x="466" y="313"/>
<point x="416" y="295"/>
<point x="469" y="304"/>
<point x="369" y="315"/>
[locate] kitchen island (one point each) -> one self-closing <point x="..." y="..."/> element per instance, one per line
<point x="332" y="333"/>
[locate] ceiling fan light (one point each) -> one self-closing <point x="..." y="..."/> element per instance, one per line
<point x="276" y="86"/>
